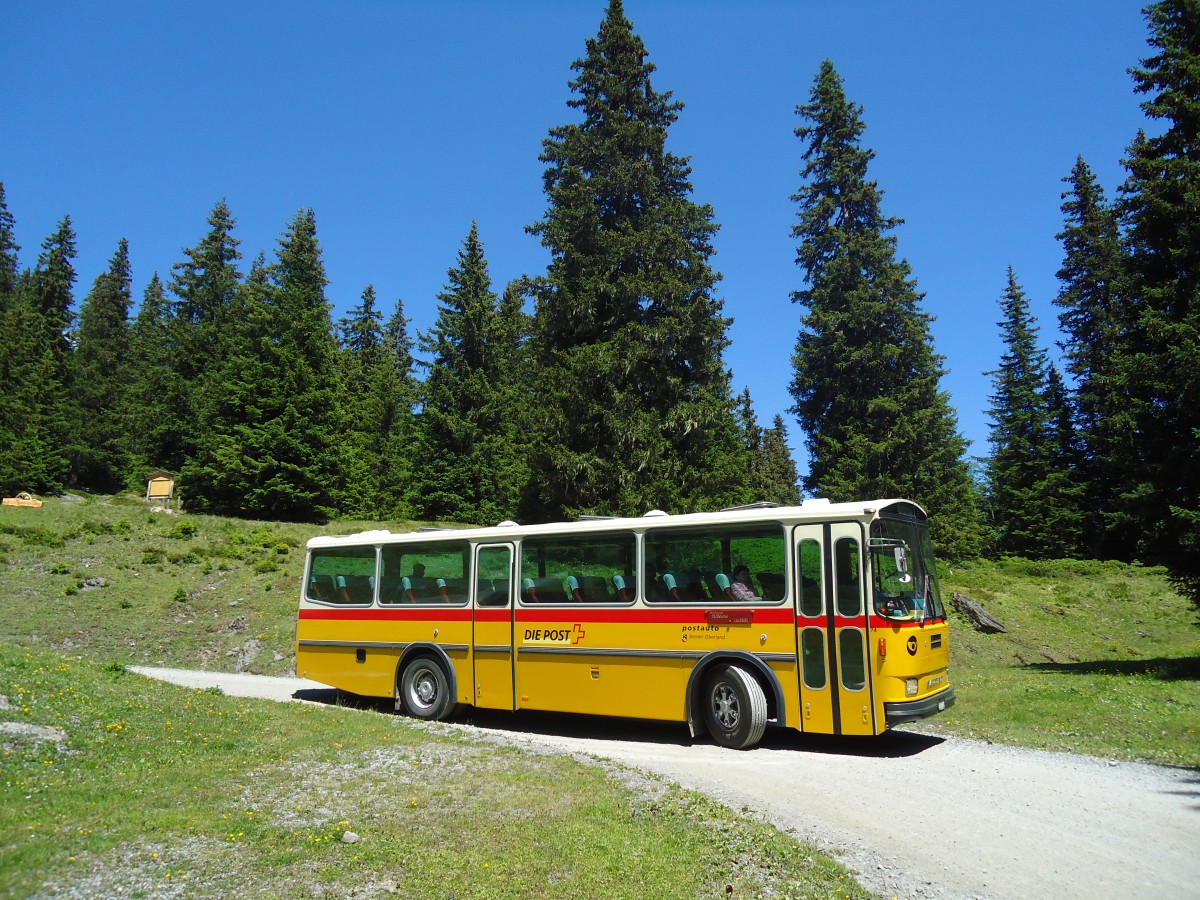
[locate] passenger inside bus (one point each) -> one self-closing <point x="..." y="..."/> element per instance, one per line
<point x="739" y="588"/>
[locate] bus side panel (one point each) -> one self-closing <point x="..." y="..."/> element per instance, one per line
<point x="636" y="662"/>
<point x="769" y="634"/>
<point x="602" y="685"/>
<point x="629" y="670"/>
<point x="358" y="650"/>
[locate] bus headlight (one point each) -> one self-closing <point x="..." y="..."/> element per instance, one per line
<point x="910" y="686"/>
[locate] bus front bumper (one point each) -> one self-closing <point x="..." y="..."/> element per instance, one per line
<point x="910" y="711"/>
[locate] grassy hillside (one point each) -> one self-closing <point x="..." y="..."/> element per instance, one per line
<point x="113" y="784"/>
<point x="105" y="579"/>
<point x="1099" y="657"/>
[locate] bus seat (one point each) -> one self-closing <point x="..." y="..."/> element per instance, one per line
<point x="543" y="590"/>
<point x="320" y="587"/>
<point x="576" y="590"/>
<point x="492" y="592"/>
<point x="454" y="590"/>
<point x="623" y="592"/>
<point x="409" y="594"/>
<point x="692" y="586"/>
<point x="772" y="585"/>
<point x="595" y="588"/>
<point x="550" y="590"/>
<point x="354" y="588"/>
<point x="668" y="581"/>
<point x="722" y="591"/>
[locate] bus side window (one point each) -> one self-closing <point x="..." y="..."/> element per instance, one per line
<point x="493" y="566"/>
<point x="717" y="564"/>
<point x="579" y="569"/>
<point x="342" y="576"/>
<point x="425" y="574"/>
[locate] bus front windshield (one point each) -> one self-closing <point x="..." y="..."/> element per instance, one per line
<point x="906" y="585"/>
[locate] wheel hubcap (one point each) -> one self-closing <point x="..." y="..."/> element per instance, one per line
<point x="425" y="688"/>
<point x="725" y="707"/>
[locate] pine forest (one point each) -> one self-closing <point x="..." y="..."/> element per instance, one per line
<point x="599" y="386"/>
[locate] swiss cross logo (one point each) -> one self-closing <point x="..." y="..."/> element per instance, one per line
<point x="577" y="634"/>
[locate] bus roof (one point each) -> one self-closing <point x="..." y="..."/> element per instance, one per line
<point x="814" y="510"/>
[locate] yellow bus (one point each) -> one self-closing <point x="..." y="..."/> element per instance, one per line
<point x="824" y="617"/>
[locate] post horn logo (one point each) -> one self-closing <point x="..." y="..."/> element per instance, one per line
<point x="912" y="645"/>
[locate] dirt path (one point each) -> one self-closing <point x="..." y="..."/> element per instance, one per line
<point x="914" y="815"/>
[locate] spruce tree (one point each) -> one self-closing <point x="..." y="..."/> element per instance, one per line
<point x="781" y="482"/>
<point x="101" y="375"/>
<point x="36" y="337"/>
<point x="1068" y="523"/>
<point x="31" y="449"/>
<point x="469" y="465"/>
<point x="9" y="409"/>
<point x="1020" y="435"/>
<point x="1159" y="206"/>
<point x="8" y="253"/>
<point x="770" y="470"/>
<point x="204" y="285"/>
<point x="1098" y="326"/>
<point x="379" y="395"/>
<point x="394" y="389"/>
<point x="269" y="446"/>
<point x="866" y="378"/>
<point x="634" y="400"/>
<point x="155" y="393"/>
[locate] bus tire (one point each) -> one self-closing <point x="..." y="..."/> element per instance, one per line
<point x="424" y="690"/>
<point x="735" y="708"/>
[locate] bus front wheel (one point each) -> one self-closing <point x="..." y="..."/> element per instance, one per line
<point x="424" y="690"/>
<point x="735" y="708"/>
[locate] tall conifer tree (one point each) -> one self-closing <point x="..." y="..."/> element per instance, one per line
<point x="204" y="285"/>
<point x="269" y="446"/>
<point x="771" y="473"/>
<point x="1029" y="474"/>
<point x="1159" y="205"/>
<point x="781" y="481"/>
<point x="379" y="395"/>
<point x="31" y="449"/>
<point x="153" y="387"/>
<point x="866" y="378"/>
<point x="9" y="266"/>
<point x="1097" y="323"/>
<point x="395" y="391"/>
<point x="40" y="332"/>
<point x="9" y="408"/>
<point x="470" y="469"/>
<point x="635" y="401"/>
<point x="101" y="374"/>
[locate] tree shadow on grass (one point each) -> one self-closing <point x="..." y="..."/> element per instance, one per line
<point x="1164" y="668"/>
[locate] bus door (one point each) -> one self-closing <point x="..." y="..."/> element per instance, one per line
<point x="492" y="633"/>
<point x="835" y="697"/>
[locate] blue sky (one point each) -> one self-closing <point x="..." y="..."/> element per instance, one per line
<point x="400" y="122"/>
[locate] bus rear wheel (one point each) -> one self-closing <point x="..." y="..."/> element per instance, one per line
<point x="424" y="690"/>
<point x="735" y="708"/>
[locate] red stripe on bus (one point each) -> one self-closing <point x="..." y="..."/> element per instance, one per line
<point x="657" y="616"/>
<point x="387" y="615"/>
<point x="691" y="615"/>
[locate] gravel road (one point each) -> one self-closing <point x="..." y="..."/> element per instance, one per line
<point x="915" y="815"/>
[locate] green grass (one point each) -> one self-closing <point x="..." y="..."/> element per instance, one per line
<point x="103" y="578"/>
<point x="144" y="786"/>
<point x="160" y="791"/>
<point x="1100" y="658"/>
